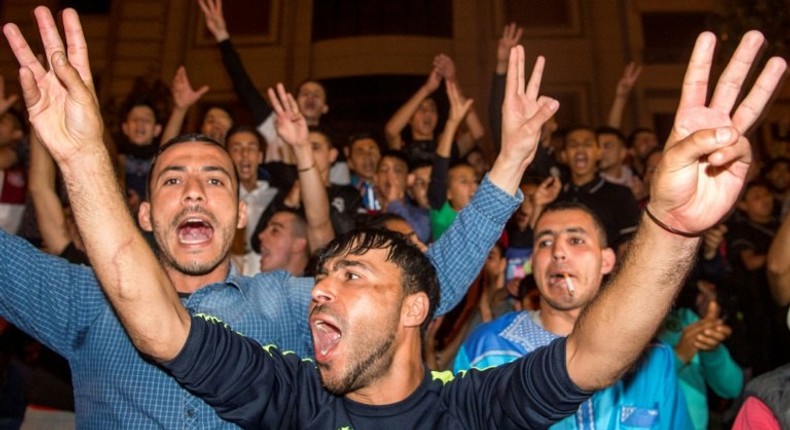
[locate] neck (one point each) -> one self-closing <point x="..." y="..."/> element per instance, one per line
<point x="559" y="322"/>
<point x="250" y="185"/>
<point x="614" y="171"/>
<point x="759" y="219"/>
<point x="404" y="376"/>
<point x="185" y="283"/>
<point x="297" y="265"/>
<point x="582" y="179"/>
<point x="415" y="135"/>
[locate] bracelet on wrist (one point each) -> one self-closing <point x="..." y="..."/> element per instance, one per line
<point x="668" y="227"/>
<point x="305" y="169"/>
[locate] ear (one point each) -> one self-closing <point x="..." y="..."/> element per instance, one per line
<point x="157" y="130"/>
<point x="325" y="110"/>
<point x="17" y="134"/>
<point x="332" y="155"/>
<point x="242" y="222"/>
<point x="410" y="178"/>
<point x="144" y="216"/>
<point x="742" y="205"/>
<point x="347" y="153"/>
<point x="125" y="129"/>
<point x="299" y="246"/>
<point x="608" y="258"/>
<point x="414" y="309"/>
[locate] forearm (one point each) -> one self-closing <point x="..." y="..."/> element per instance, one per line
<point x="437" y="187"/>
<point x="445" y="145"/>
<point x="49" y="210"/>
<point x="242" y="83"/>
<point x="314" y="200"/>
<point x="615" y="118"/>
<point x="721" y="372"/>
<point x="131" y="276"/>
<point x="496" y="98"/>
<point x="8" y="157"/>
<point x="778" y="261"/>
<point x="400" y="119"/>
<point x="653" y="270"/>
<point x="174" y="123"/>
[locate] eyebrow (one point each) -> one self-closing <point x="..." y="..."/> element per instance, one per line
<point x="180" y="168"/>
<point x="550" y="232"/>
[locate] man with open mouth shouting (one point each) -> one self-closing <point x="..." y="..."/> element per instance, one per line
<point x="193" y="211"/>
<point x="703" y="169"/>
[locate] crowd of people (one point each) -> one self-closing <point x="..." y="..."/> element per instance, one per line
<point x="582" y="276"/>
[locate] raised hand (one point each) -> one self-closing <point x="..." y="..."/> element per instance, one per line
<point x="184" y="95"/>
<point x="433" y="81"/>
<point x="707" y="156"/>
<point x="445" y="66"/>
<point x="547" y="191"/>
<point x="291" y="124"/>
<point x="511" y="35"/>
<point x="459" y="106"/>
<point x="61" y="102"/>
<point x="215" y="20"/>
<point x="523" y="111"/>
<point x="5" y="102"/>
<point x="627" y="81"/>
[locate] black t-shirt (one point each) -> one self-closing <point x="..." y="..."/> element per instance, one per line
<point x="257" y="387"/>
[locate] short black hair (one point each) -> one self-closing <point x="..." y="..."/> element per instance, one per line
<point x="565" y="132"/>
<point x="185" y="138"/>
<point x="417" y="272"/>
<point x="571" y="205"/>
<point x="632" y="137"/>
<point x="397" y="154"/>
<point x="141" y="103"/>
<point x="247" y="129"/>
<point x="613" y="131"/>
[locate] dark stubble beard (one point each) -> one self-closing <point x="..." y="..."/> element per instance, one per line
<point x="373" y="359"/>
<point x="192" y="268"/>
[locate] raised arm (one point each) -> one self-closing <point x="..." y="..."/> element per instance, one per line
<point x="400" y="119"/>
<point x="523" y="114"/>
<point x="511" y="35"/>
<point x="624" y="87"/>
<point x="42" y="187"/>
<point x="459" y="109"/>
<point x="292" y="128"/>
<point x="697" y="182"/>
<point x="184" y="96"/>
<point x="242" y="83"/>
<point x="5" y="102"/>
<point x="475" y="130"/>
<point x="779" y="264"/>
<point x="64" y="110"/>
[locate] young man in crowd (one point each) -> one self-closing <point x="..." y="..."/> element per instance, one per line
<point x="369" y="281"/>
<point x="193" y="212"/>
<point x="569" y="261"/>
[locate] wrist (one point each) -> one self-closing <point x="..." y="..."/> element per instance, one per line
<point x="668" y="227"/>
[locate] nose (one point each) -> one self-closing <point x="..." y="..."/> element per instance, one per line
<point x="323" y="292"/>
<point x="558" y="250"/>
<point x="193" y="191"/>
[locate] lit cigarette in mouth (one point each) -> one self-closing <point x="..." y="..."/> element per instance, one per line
<point x="569" y="284"/>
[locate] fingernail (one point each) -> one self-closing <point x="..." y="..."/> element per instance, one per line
<point x="60" y="58"/>
<point x="553" y="105"/>
<point x="723" y="134"/>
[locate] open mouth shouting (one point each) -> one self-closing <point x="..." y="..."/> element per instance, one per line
<point x="194" y="231"/>
<point x="326" y="337"/>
